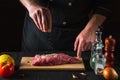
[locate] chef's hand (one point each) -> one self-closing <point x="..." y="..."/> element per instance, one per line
<point x="84" y="41"/>
<point x="41" y="17"/>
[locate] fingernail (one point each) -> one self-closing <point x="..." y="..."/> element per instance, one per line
<point x="74" y="49"/>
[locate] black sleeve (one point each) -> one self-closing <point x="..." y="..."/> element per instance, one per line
<point x="103" y="7"/>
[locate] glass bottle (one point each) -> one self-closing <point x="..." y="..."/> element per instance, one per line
<point x="97" y="60"/>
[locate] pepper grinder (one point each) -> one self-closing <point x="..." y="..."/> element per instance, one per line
<point x="109" y="50"/>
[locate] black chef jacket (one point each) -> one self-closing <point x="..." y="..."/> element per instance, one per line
<point x="75" y="11"/>
<point x="69" y="17"/>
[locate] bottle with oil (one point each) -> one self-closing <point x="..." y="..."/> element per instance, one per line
<point x="97" y="60"/>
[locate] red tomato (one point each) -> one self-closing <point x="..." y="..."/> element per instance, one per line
<point x="6" y="70"/>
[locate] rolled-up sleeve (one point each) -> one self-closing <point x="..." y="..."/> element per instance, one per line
<point x="103" y="7"/>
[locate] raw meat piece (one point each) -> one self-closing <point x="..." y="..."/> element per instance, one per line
<point x="53" y="59"/>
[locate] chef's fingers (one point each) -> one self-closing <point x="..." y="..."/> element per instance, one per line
<point x="49" y="20"/>
<point x="46" y="19"/>
<point x="39" y="20"/>
<point x="89" y="46"/>
<point x="76" y="44"/>
<point x="77" y="47"/>
<point x="80" y="47"/>
<point x="43" y="20"/>
<point x="86" y="46"/>
<point x="44" y="23"/>
<point x="35" y="19"/>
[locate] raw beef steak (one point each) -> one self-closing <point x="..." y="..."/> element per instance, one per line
<point x="53" y="59"/>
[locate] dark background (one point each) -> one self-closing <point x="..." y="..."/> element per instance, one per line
<point x="12" y="17"/>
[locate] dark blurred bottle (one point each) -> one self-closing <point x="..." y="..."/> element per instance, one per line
<point x="109" y="50"/>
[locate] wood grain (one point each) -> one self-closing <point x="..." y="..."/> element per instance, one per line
<point x="25" y="64"/>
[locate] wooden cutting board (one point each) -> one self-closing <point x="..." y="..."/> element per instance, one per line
<point x="25" y="64"/>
